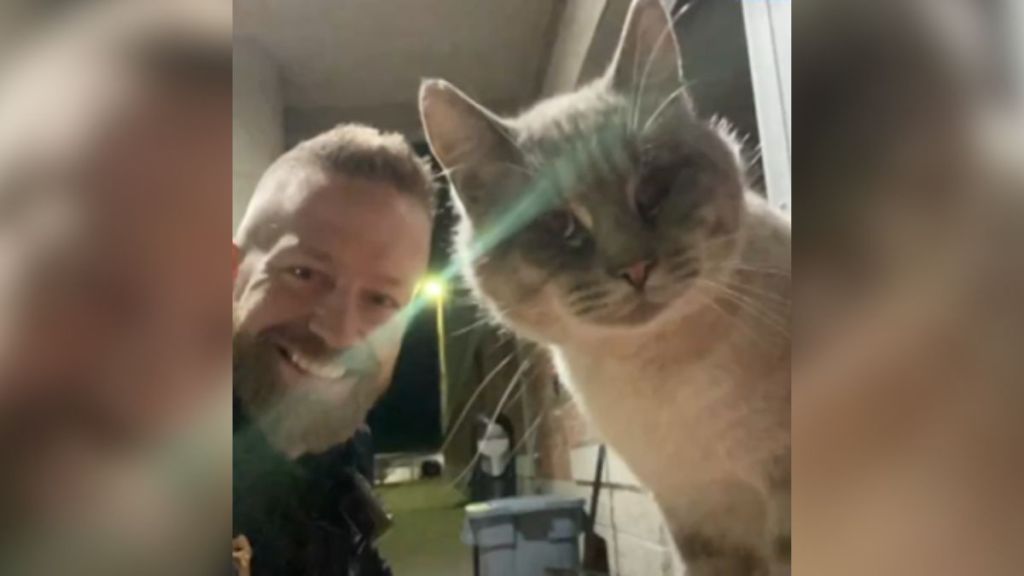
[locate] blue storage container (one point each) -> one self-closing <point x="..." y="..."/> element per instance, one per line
<point x="525" y="536"/>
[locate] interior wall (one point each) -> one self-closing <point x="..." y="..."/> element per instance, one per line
<point x="574" y="35"/>
<point x="768" y="34"/>
<point x="257" y="121"/>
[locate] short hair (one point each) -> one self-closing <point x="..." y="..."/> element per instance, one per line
<point x="358" y="151"/>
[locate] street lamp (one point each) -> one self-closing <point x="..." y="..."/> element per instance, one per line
<point x="435" y="289"/>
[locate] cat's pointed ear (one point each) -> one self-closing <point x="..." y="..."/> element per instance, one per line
<point x="460" y="131"/>
<point x="474" y="146"/>
<point x="647" y="67"/>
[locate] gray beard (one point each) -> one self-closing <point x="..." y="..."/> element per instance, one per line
<point x="308" y="420"/>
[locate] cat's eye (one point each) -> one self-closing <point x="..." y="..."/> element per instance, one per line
<point x="572" y="232"/>
<point x="570" y="228"/>
<point x="656" y="186"/>
<point x="649" y="199"/>
<point x="566" y="226"/>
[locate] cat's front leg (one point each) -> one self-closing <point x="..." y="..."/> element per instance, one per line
<point x="724" y="528"/>
<point x="706" y="555"/>
<point x="779" y="524"/>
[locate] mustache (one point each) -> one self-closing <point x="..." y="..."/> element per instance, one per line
<point x="258" y="351"/>
<point x="300" y="420"/>
<point x="302" y="341"/>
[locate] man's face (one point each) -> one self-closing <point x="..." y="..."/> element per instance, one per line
<point x="339" y="258"/>
<point x="114" y="271"/>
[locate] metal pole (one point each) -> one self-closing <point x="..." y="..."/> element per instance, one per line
<point x="442" y="354"/>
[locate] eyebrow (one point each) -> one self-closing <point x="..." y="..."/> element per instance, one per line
<point x="316" y="254"/>
<point x="391" y="281"/>
<point x="310" y="251"/>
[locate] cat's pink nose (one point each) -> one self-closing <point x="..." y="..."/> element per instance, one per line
<point x="637" y="273"/>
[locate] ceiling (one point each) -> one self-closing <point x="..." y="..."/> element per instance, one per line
<point x="344" y="60"/>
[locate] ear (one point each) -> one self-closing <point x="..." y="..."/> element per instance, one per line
<point x="470" y="142"/>
<point x="647" y="67"/>
<point x="459" y="130"/>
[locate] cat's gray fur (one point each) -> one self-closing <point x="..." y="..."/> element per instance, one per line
<point x="614" y="225"/>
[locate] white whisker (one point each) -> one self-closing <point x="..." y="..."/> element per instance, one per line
<point x="750" y="306"/>
<point x="497" y="412"/>
<point x="661" y="107"/>
<point x="638" y="96"/>
<point x="472" y="399"/>
<point x="447" y="172"/>
<point x="467" y="329"/>
<point x="530" y="430"/>
<point x="746" y="327"/>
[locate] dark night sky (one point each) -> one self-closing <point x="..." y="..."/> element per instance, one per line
<point x="408" y="417"/>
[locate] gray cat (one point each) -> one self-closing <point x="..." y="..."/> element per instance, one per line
<point x="615" y="226"/>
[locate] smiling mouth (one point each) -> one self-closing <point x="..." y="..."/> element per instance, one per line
<point x="322" y="369"/>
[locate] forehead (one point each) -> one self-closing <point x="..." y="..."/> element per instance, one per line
<point x="585" y="118"/>
<point x="579" y="162"/>
<point x="357" y="223"/>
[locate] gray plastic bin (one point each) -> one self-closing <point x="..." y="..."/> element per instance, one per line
<point x="524" y="536"/>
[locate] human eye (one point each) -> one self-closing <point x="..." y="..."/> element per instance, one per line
<point x="303" y="276"/>
<point x="301" y="273"/>
<point x="382" y="300"/>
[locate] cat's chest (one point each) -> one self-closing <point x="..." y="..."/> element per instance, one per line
<point x="666" y="411"/>
<point x="622" y="390"/>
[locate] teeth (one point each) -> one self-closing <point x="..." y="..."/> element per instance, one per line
<point x="327" y="370"/>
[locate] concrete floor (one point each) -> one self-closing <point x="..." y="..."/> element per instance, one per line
<point x="424" y="540"/>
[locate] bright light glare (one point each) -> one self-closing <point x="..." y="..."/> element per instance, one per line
<point x="433" y="288"/>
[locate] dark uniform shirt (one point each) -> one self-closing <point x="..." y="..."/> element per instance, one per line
<point x="304" y="517"/>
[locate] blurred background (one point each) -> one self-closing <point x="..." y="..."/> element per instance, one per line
<point x="114" y="271"/>
<point x="304" y="66"/>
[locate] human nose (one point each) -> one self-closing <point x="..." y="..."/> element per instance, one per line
<point x="336" y="320"/>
